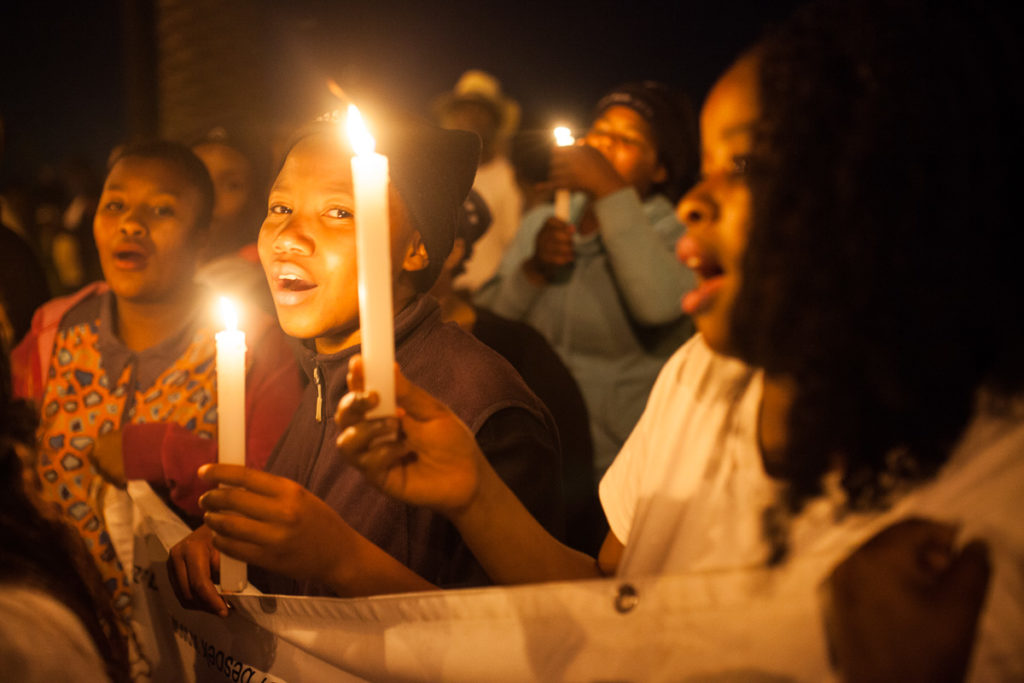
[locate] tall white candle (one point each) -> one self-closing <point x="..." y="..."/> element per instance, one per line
<point x="231" y="420"/>
<point x="373" y="252"/>
<point x="563" y="138"/>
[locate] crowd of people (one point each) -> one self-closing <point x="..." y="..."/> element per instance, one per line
<point x="787" y="341"/>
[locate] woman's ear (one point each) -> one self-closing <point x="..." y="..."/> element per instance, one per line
<point x="416" y="256"/>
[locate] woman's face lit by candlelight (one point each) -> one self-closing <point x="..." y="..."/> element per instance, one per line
<point x="307" y="244"/>
<point x="626" y="140"/>
<point x="145" y="230"/>
<point x="716" y="211"/>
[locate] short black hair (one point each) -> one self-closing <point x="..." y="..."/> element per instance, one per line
<point x="878" y="273"/>
<point x="185" y="160"/>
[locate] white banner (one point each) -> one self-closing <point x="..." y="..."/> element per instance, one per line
<point x="672" y="628"/>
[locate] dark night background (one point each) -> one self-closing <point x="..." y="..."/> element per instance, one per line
<point x="76" y="78"/>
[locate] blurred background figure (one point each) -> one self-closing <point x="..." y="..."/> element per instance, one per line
<point x="73" y="249"/>
<point x="239" y="169"/>
<point x="542" y="370"/>
<point x="23" y="286"/>
<point x="239" y="174"/>
<point x="478" y="105"/>
<point x="53" y="211"/>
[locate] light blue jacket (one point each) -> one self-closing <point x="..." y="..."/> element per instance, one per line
<point x="615" y="316"/>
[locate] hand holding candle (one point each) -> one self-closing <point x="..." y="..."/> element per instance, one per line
<point x="563" y="138"/>
<point x="231" y="419"/>
<point x="373" y="252"/>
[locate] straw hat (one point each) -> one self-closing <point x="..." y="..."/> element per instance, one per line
<point x="482" y="88"/>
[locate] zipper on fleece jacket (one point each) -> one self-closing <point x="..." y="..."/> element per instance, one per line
<point x="314" y="446"/>
<point x="318" y="379"/>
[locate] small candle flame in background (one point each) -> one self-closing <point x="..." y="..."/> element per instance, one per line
<point x="563" y="137"/>
<point x="358" y="136"/>
<point x="229" y="314"/>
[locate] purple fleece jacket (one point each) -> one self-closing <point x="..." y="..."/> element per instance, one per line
<point x="514" y="430"/>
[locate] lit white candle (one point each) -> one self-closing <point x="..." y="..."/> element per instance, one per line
<point x="231" y="420"/>
<point x="373" y="252"/>
<point x="563" y="138"/>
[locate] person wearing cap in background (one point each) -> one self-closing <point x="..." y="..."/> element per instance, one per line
<point x="478" y="105"/>
<point x="310" y="523"/>
<point x="604" y="287"/>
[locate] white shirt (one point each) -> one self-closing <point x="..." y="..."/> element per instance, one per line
<point x="42" y="640"/>
<point x="496" y="183"/>
<point x="687" y="492"/>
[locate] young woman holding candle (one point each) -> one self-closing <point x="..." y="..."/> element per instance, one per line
<point x="603" y="286"/>
<point x="311" y="521"/>
<point x="827" y="394"/>
<point x="123" y="371"/>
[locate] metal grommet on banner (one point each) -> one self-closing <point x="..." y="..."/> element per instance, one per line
<point x="626" y="599"/>
<point x="268" y="604"/>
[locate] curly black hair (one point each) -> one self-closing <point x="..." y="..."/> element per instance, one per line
<point x="879" y="273"/>
<point x="187" y="163"/>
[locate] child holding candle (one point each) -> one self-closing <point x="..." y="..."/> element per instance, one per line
<point x="310" y="519"/>
<point x="826" y="395"/>
<point x="603" y="285"/>
<point x="123" y="371"/>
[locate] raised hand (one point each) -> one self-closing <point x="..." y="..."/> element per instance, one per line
<point x="553" y="249"/>
<point x="582" y="167"/>
<point x="426" y="456"/>
<point x="905" y="605"/>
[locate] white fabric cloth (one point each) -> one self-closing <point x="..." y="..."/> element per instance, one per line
<point x="41" y="640"/>
<point x="687" y="492"/>
<point x="691" y="457"/>
<point x="496" y="183"/>
<point x="670" y="628"/>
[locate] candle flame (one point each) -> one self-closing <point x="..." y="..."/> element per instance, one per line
<point x="229" y="313"/>
<point x="563" y="137"/>
<point x="358" y="136"/>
